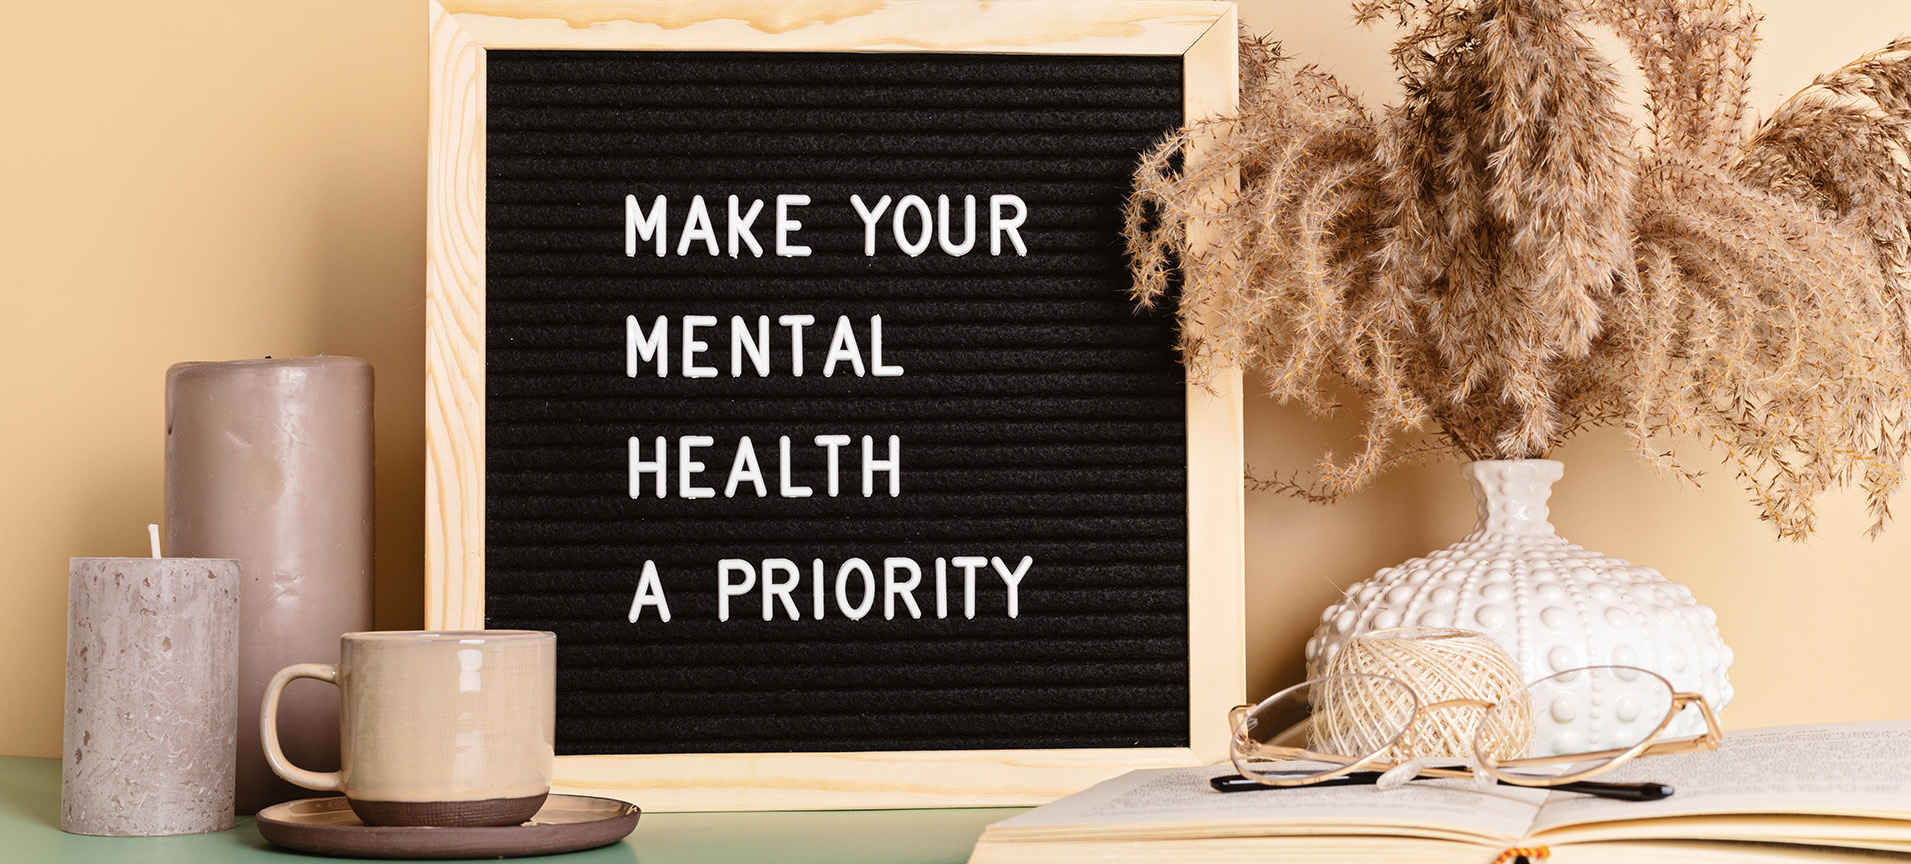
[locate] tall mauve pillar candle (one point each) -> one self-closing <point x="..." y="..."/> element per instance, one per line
<point x="270" y="462"/>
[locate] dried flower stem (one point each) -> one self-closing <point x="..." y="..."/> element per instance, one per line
<point x="1494" y="267"/>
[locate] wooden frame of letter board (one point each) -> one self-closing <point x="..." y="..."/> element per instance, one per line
<point x="462" y="31"/>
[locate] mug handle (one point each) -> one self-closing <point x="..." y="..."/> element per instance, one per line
<point x="323" y="781"/>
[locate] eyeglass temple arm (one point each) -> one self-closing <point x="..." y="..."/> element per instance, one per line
<point x="1708" y="741"/>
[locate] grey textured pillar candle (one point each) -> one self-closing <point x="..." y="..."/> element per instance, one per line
<point x="270" y="462"/>
<point x="151" y="696"/>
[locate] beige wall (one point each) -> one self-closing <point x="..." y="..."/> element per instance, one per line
<point x="192" y="181"/>
<point x="201" y="180"/>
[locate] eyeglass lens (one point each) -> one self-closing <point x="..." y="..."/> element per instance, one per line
<point x="1600" y="712"/>
<point x="1319" y="726"/>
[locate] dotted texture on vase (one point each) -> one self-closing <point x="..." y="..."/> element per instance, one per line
<point x="1553" y="605"/>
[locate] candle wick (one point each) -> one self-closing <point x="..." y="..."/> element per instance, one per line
<point x="152" y="533"/>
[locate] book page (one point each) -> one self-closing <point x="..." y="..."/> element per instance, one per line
<point x="1683" y="852"/>
<point x="1853" y="769"/>
<point x="1181" y="798"/>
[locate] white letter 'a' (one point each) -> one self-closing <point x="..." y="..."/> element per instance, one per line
<point x="650" y="592"/>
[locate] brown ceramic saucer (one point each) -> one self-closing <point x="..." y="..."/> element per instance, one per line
<point x="566" y="823"/>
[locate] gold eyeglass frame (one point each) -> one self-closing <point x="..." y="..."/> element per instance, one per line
<point x="1649" y="745"/>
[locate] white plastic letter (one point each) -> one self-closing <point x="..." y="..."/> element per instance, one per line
<point x="876" y="366"/>
<point x="638" y="467"/>
<point x="1013" y="580"/>
<point x="816" y="585"/>
<point x="650" y="592"/>
<point x="942" y="225"/>
<point x="692" y="346"/>
<point x="832" y="442"/>
<point x="727" y="589"/>
<point x="784" y="487"/>
<point x="697" y="226"/>
<point x="999" y="226"/>
<point x="687" y="468"/>
<point x="842" y="346"/>
<point x="785" y="226"/>
<point x="871" y="465"/>
<point x="638" y="223"/>
<point x="902" y="237"/>
<point x="740" y="227"/>
<point x="942" y="587"/>
<point x="780" y="590"/>
<point x="969" y="564"/>
<point x="745" y="469"/>
<point x="741" y="344"/>
<point x="796" y="323"/>
<point x="869" y="221"/>
<point x="651" y="346"/>
<point x="842" y="589"/>
<point x="906" y="590"/>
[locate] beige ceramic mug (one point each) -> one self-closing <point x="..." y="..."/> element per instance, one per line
<point x="436" y="727"/>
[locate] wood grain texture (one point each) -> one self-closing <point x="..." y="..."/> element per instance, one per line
<point x="1202" y="32"/>
<point x="454" y="329"/>
<point x="1217" y="622"/>
<point x="1020" y="27"/>
<point x="851" y="781"/>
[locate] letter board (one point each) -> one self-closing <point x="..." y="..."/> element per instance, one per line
<point x="814" y="416"/>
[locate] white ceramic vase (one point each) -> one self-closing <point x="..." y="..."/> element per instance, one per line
<point x="1553" y="605"/>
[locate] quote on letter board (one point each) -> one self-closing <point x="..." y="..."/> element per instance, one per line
<point x="818" y="418"/>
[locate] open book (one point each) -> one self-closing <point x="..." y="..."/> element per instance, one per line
<point x="1832" y="792"/>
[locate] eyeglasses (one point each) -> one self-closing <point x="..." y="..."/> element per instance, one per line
<point x="1329" y="728"/>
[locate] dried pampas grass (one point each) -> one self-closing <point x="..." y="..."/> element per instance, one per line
<point x="1494" y="266"/>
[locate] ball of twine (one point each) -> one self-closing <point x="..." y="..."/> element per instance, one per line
<point x="1439" y="664"/>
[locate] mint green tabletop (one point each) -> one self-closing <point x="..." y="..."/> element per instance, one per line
<point x="30" y="831"/>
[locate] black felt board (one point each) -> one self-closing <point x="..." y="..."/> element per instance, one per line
<point x="1039" y="415"/>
